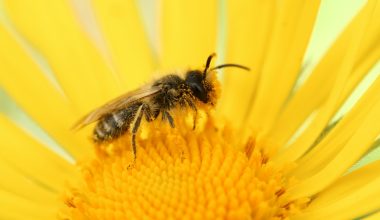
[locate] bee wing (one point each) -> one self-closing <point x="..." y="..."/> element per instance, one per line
<point x="115" y="104"/>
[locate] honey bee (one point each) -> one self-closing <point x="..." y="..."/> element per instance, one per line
<point x="125" y="113"/>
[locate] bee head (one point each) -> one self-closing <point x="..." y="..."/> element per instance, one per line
<point x="196" y="82"/>
<point x="199" y="82"/>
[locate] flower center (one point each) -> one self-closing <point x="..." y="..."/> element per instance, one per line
<point x="181" y="174"/>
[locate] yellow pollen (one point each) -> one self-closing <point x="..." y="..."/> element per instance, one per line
<point x="181" y="174"/>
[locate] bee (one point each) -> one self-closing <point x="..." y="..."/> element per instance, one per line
<point x="125" y="113"/>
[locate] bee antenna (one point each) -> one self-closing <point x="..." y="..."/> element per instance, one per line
<point x="220" y="66"/>
<point x="208" y="64"/>
<point x="230" y="65"/>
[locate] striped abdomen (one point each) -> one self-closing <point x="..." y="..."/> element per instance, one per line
<point x="115" y="124"/>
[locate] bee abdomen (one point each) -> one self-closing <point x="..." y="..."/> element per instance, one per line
<point x="113" y="125"/>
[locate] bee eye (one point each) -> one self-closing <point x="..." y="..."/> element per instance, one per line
<point x="196" y="88"/>
<point x="198" y="91"/>
<point x="194" y="80"/>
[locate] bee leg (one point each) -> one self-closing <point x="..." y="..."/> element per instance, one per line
<point x="194" y="108"/>
<point x="166" y="115"/>
<point x="136" y="126"/>
<point x="149" y="114"/>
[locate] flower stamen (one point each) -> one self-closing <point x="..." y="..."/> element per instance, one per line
<point x="181" y="174"/>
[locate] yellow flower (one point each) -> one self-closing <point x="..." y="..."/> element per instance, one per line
<point x="276" y="146"/>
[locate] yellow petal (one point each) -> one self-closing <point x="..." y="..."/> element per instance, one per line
<point x="51" y="27"/>
<point x="266" y="46"/>
<point x="327" y="149"/>
<point x="15" y="207"/>
<point x="321" y="82"/>
<point x="356" y="146"/>
<point x="324" y="114"/>
<point x="131" y="54"/>
<point x="13" y="181"/>
<point x="354" y="195"/>
<point x="346" y="185"/>
<point x="29" y="87"/>
<point x="188" y="32"/>
<point x="374" y="216"/>
<point x="32" y="159"/>
<point x="372" y="155"/>
<point x="289" y="38"/>
<point x="248" y="30"/>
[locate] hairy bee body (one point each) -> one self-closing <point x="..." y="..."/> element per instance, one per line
<point x="174" y="92"/>
<point x="125" y="113"/>
<point x="115" y="124"/>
